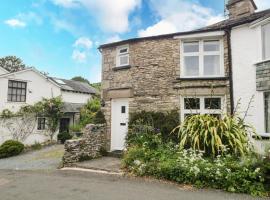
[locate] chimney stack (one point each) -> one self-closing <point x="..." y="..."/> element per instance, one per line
<point x="241" y="8"/>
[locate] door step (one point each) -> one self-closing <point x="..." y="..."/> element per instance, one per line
<point x="115" y="154"/>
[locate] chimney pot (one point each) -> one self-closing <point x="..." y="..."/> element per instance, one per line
<point x="241" y="8"/>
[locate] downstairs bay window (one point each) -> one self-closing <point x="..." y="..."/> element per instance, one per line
<point x="202" y="58"/>
<point x="201" y="105"/>
<point x="267" y="111"/>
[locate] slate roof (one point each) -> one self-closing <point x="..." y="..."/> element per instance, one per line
<point x="72" y="107"/>
<point x="223" y="25"/>
<point x="74" y="86"/>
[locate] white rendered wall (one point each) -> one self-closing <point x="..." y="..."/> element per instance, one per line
<point x="72" y="97"/>
<point x="37" y="88"/>
<point x="246" y="52"/>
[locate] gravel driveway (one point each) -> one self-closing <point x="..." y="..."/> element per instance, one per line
<point x="47" y="158"/>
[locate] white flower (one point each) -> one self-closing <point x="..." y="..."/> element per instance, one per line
<point x="137" y="162"/>
<point x="257" y="170"/>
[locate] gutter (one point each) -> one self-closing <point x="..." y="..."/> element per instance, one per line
<point x="228" y="33"/>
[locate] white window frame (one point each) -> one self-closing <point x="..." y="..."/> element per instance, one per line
<point x="263" y="56"/>
<point x="38" y="118"/>
<point x="201" y="55"/>
<point x="118" y="55"/>
<point x="202" y="110"/>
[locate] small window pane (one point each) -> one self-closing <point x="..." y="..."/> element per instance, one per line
<point x="212" y="103"/>
<point x="191" y="47"/>
<point x="211" y="65"/>
<point x="123" y="109"/>
<point x="192" y="103"/>
<point x="211" y="46"/>
<point x="123" y="60"/>
<point x="123" y="50"/>
<point x="266" y="41"/>
<point x="191" y="65"/>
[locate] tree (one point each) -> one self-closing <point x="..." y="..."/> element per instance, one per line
<point x="12" y="63"/>
<point x="80" y="79"/>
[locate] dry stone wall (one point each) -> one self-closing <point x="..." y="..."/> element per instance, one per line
<point x="87" y="147"/>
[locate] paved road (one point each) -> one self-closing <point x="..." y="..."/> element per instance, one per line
<point x="47" y="158"/>
<point x="73" y="185"/>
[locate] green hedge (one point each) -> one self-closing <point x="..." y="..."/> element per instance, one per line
<point x="62" y="137"/>
<point x="11" y="148"/>
<point x="162" y="123"/>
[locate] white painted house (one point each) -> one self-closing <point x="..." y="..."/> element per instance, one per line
<point x="28" y="86"/>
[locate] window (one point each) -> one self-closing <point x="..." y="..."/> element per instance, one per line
<point x="122" y="56"/>
<point x="41" y="123"/>
<point x="203" y="58"/>
<point x="201" y="105"/>
<point x="266" y="41"/>
<point x="16" y="91"/>
<point x="123" y="109"/>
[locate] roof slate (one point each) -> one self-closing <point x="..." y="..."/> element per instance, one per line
<point x="75" y="86"/>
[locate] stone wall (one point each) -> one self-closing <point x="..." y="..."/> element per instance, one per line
<point x="263" y="76"/>
<point x="87" y="147"/>
<point x="152" y="81"/>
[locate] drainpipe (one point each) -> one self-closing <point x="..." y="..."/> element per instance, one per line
<point x="228" y="33"/>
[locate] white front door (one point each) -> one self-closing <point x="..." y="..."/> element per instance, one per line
<point x="119" y="123"/>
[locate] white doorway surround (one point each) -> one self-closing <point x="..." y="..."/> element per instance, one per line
<point x="119" y="123"/>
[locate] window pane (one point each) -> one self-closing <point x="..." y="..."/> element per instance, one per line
<point x="192" y="103"/>
<point x="190" y="47"/>
<point x="123" y="50"/>
<point x="191" y="65"/>
<point x="266" y="41"/>
<point x="211" y="65"/>
<point x="123" y="60"/>
<point x="123" y="109"/>
<point x="267" y="111"/>
<point x="212" y="103"/>
<point x="211" y="46"/>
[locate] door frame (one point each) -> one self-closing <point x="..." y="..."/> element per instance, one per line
<point x="112" y="121"/>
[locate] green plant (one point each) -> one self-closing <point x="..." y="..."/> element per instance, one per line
<point x="62" y="137"/>
<point x="75" y="128"/>
<point x="89" y="111"/>
<point x="36" y="146"/>
<point x="163" y="123"/>
<point x="99" y="118"/>
<point x="214" y="136"/>
<point x="167" y="161"/>
<point x="11" y="148"/>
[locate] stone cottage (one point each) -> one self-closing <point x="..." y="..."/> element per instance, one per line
<point x="191" y="72"/>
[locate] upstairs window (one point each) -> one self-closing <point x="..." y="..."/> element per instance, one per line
<point x="122" y="56"/>
<point x="203" y="58"/>
<point x="16" y="91"/>
<point x="266" y="41"/>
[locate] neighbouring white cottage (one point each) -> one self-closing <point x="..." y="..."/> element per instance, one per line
<point x="29" y="86"/>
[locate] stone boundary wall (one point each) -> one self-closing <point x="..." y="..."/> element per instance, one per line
<point x="88" y="147"/>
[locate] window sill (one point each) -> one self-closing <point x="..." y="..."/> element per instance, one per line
<point x="262" y="136"/>
<point x="202" y="78"/>
<point x="121" y="67"/>
<point x="16" y="102"/>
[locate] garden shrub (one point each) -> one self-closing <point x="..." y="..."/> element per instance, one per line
<point x="62" y="137"/>
<point x="99" y="118"/>
<point x="163" y="123"/>
<point x="168" y="161"/>
<point x="11" y="148"/>
<point x="214" y="136"/>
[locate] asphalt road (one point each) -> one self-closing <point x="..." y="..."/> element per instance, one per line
<point x="74" y="185"/>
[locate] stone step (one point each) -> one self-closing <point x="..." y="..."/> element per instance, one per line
<point x="115" y="154"/>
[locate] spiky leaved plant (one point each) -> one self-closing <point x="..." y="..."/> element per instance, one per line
<point x="214" y="136"/>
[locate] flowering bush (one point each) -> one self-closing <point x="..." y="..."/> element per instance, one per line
<point x="150" y="157"/>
